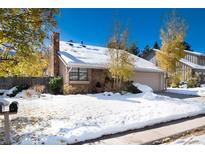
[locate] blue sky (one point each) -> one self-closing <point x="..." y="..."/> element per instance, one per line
<point x="94" y="26"/>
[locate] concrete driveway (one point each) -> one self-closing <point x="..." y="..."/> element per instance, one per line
<point x="182" y="96"/>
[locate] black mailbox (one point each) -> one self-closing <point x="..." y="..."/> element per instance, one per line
<point x="13" y="107"/>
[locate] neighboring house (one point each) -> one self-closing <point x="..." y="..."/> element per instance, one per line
<point x="150" y="55"/>
<point x="192" y="64"/>
<point x="85" y="67"/>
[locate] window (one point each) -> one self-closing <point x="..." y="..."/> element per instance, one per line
<point x="78" y="74"/>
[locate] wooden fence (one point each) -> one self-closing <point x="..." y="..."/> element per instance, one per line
<point x="9" y="82"/>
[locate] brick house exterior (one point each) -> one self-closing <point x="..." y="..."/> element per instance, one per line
<point x="88" y="77"/>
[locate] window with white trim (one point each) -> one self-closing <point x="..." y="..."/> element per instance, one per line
<point x="78" y="74"/>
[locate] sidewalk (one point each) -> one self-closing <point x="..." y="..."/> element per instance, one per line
<point x="148" y="136"/>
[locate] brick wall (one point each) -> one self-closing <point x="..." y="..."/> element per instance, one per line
<point x="54" y="54"/>
<point x="94" y="76"/>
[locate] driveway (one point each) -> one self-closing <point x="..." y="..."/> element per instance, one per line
<point x="182" y="96"/>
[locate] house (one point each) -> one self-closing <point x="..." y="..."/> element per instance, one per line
<point x="150" y="55"/>
<point x="85" y="67"/>
<point x="193" y="64"/>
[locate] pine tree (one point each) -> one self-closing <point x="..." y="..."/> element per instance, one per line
<point x="133" y="49"/>
<point x="156" y="46"/>
<point x="145" y="51"/>
<point x="147" y="48"/>
<point x="187" y="46"/>
<point x="120" y="61"/>
<point x="172" y="49"/>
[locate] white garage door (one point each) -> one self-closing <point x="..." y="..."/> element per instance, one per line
<point x="154" y="80"/>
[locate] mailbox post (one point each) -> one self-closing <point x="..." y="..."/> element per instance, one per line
<point x="7" y="127"/>
<point x="7" y="108"/>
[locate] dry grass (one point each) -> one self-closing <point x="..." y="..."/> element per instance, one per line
<point x="29" y="93"/>
<point x="39" y="88"/>
<point x="68" y="89"/>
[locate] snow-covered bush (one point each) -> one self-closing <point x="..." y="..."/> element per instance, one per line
<point x="11" y="92"/>
<point x="142" y="87"/>
<point x="2" y="91"/>
<point x="15" y="90"/>
<point x="202" y="86"/>
<point x="183" y="85"/>
<point x="108" y="93"/>
<point x="131" y="88"/>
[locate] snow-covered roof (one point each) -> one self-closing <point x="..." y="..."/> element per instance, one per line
<point x="187" y="51"/>
<point x="78" y="55"/>
<point x="192" y="65"/>
<point x="195" y="53"/>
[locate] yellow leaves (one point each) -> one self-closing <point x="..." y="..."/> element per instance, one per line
<point x="24" y="29"/>
<point x="120" y="64"/>
<point x="120" y="61"/>
<point x="32" y="65"/>
<point x="172" y="49"/>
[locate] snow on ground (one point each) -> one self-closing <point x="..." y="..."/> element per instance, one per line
<point x="190" y="140"/>
<point x="6" y="92"/>
<point x="3" y="90"/>
<point x="199" y="91"/>
<point x="57" y="119"/>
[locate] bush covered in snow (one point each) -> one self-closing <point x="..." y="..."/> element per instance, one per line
<point x="2" y="91"/>
<point x="11" y="92"/>
<point x="142" y="87"/>
<point x="202" y="85"/>
<point x="131" y="88"/>
<point x="15" y="90"/>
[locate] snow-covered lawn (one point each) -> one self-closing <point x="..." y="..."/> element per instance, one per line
<point x="191" y="140"/>
<point x="200" y="91"/>
<point x="69" y="119"/>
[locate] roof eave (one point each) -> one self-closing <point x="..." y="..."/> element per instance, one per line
<point x="194" y="68"/>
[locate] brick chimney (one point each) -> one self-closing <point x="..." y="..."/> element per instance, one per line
<point x="54" y="54"/>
